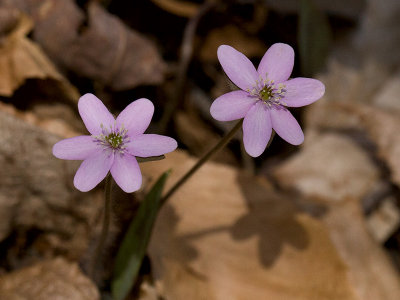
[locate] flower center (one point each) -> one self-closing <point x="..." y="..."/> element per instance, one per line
<point x="266" y="93"/>
<point x="270" y="93"/>
<point x="112" y="138"/>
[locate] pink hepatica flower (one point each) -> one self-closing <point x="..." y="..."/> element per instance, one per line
<point x="113" y="144"/>
<point x="265" y="95"/>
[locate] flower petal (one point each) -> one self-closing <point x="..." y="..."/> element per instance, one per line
<point x="257" y="129"/>
<point x="136" y="116"/>
<point x="238" y="67"/>
<point x="94" y="114"/>
<point x="76" y="148"/>
<point x="93" y="170"/>
<point x="126" y="172"/>
<point x="146" y="145"/>
<point x="286" y="126"/>
<point x="302" y="91"/>
<point x="232" y="106"/>
<point x="277" y="63"/>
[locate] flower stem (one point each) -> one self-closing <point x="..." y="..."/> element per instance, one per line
<point x="104" y="230"/>
<point x="225" y="140"/>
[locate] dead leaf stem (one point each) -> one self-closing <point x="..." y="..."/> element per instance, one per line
<point x="186" y="54"/>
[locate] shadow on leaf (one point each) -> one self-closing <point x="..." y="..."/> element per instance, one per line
<point x="272" y="218"/>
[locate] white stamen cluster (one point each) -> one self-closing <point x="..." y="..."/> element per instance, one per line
<point x="113" y="138"/>
<point x="267" y="91"/>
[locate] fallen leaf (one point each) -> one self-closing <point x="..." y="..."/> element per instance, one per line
<point x="147" y="292"/>
<point x="388" y="96"/>
<point x="36" y="190"/>
<point x="233" y="36"/>
<point x="52" y="279"/>
<point x="329" y="167"/>
<point x="381" y="125"/>
<point x="384" y="220"/>
<point x="370" y="271"/>
<point x="349" y="83"/>
<point x="195" y="135"/>
<point x="101" y="48"/>
<point x="21" y="59"/>
<point x="226" y="235"/>
<point x="378" y="33"/>
<point x="180" y="8"/>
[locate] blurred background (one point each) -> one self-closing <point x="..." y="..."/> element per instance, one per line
<point x="318" y="221"/>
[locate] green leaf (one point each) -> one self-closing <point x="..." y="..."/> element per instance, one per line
<point x="314" y="37"/>
<point x="133" y="247"/>
<point x="151" y="158"/>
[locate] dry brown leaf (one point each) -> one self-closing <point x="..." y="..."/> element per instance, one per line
<point x="381" y="125"/>
<point x="389" y="95"/>
<point x="347" y="83"/>
<point x="178" y="7"/>
<point x="233" y="36"/>
<point x="370" y="271"/>
<point x="21" y="59"/>
<point x="147" y="292"/>
<point x="53" y="279"/>
<point x="378" y="35"/>
<point x="198" y="138"/>
<point x="383" y="128"/>
<point x="36" y="189"/>
<point x="59" y="123"/>
<point x="329" y="167"/>
<point x="101" y="48"/>
<point x="225" y="235"/>
<point x="384" y="220"/>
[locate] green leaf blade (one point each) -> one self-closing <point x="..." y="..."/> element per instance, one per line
<point x="314" y="37"/>
<point x="133" y="247"/>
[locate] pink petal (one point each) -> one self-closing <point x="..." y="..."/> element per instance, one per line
<point x="277" y="63"/>
<point x="286" y="126"/>
<point x="93" y="170"/>
<point x="257" y="129"/>
<point x="94" y="114"/>
<point x="126" y="172"/>
<point x="136" y="116"/>
<point x="238" y="67"/>
<point x="232" y="106"/>
<point x="146" y="145"/>
<point x="302" y="91"/>
<point x="76" y="148"/>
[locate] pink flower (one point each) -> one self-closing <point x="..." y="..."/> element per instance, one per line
<point x="113" y="144"/>
<point x="264" y="97"/>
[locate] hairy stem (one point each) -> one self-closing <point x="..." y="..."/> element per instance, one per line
<point x="104" y="230"/>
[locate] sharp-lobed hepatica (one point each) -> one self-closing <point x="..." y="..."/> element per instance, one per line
<point x="113" y="144"/>
<point x="264" y="96"/>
